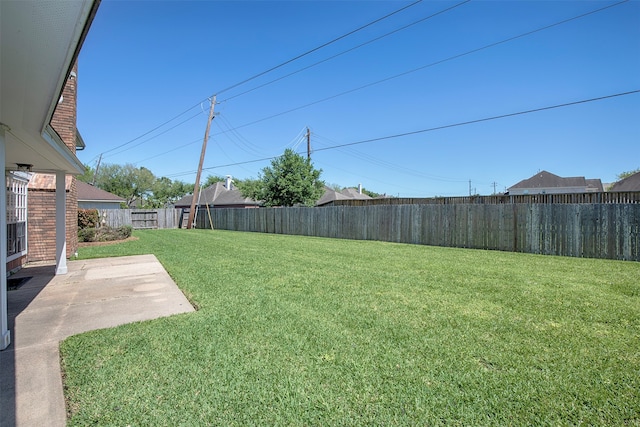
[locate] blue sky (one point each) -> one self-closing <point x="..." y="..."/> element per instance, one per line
<point x="146" y="62"/>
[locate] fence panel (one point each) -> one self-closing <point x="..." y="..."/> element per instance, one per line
<point x="140" y="218"/>
<point x="581" y="230"/>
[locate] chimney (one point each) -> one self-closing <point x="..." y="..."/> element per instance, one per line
<point x="359" y="188"/>
<point x="228" y="181"/>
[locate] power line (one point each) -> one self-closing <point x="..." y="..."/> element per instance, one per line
<point x="432" y="129"/>
<point x="319" y="47"/>
<point x="149" y="139"/>
<point x="155" y="128"/>
<point x="486" y="119"/>
<point x="347" y="51"/>
<point x="460" y="55"/>
<point x="451" y="58"/>
<point x="263" y="73"/>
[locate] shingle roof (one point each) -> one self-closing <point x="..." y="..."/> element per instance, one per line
<point x="596" y="184"/>
<point x="544" y="179"/>
<point x="329" y="196"/>
<point x="218" y="195"/>
<point x="352" y="193"/>
<point x="630" y="183"/>
<point x="87" y="192"/>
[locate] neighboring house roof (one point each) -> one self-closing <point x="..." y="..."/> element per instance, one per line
<point x="544" y="179"/>
<point x="89" y="193"/>
<point x="218" y="195"/>
<point x="331" y="195"/>
<point x="630" y="183"/>
<point x="595" y="184"/>
<point x="353" y="193"/>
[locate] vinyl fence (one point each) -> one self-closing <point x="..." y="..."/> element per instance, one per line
<point x="579" y="230"/>
<point x="141" y="218"/>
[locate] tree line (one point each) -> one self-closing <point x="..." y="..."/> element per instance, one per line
<point x="290" y="180"/>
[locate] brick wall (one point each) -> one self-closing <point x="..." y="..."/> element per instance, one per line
<point x="42" y="201"/>
<point x="41" y="225"/>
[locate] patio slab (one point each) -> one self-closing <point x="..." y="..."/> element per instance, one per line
<point x="94" y="294"/>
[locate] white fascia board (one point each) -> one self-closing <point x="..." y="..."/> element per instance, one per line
<point x="74" y="165"/>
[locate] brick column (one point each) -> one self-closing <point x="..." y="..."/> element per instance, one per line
<point x="64" y="122"/>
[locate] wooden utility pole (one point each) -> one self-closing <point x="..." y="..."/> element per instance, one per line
<point x="95" y="173"/>
<point x="196" y="188"/>
<point x="308" y="144"/>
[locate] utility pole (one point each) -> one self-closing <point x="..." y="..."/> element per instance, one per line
<point x="196" y="188"/>
<point x="95" y="174"/>
<point x="469" y="188"/>
<point x="308" y="143"/>
<point x="494" y="186"/>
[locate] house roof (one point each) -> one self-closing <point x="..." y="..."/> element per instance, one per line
<point x="630" y="183"/>
<point x="89" y="193"/>
<point x="353" y="193"/>
<point x="596" y="184"/>
<point x="331" y="195"/>
<point x="544" y="179"/>
<point x="218" y="195"/>
<point x="40" y="42"/>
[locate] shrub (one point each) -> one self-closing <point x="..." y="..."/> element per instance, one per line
<point x="104" y="234"/>
<point x="88" y="218"/>
<point x="86" y="234"/>
<point x="125" y="231"/>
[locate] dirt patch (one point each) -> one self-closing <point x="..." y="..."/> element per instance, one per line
<point x="112" y="242"/>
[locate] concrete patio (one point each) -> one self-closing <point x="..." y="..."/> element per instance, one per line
<point x="95" y="294"/>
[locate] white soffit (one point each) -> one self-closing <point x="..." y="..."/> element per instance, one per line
<point x="38" y="42"/>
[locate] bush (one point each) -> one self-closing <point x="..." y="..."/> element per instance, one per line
<point x="104" y="234"/>
<point x="86" y="234"/>
<point x="88" y="218"/>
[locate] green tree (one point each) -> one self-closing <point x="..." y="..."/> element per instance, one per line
<point x="624" y="175"/>
<point x="87" y="176"/>
<point x="212" y="179"/>
<point x="251" y="188"/>
<point x="290" y="180"/>
<point x="165" y="192"/>
<point x="131" y="183"/>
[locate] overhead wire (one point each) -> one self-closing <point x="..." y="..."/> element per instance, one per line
<point x="386" y="164"/>
<point x="426" y="66"/>
<point x="436" y="128"/>
<point x="377" y="82"/>
<point x="263" y="73"/>
<point x="404" y="27"/>
<point x="319" y="47"/>
<point x="150" y="139"/>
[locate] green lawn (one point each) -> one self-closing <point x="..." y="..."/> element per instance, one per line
<point x="297" y="331"/>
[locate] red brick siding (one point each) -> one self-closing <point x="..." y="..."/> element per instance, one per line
<point x="16" y="263"/>
<point x="41" y="225"/>
<point x="41" y="220"/>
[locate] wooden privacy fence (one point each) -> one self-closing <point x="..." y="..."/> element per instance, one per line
<point x="498" y="199"/>
<point x="579" y="230"/>
<point x="140" y="218"/>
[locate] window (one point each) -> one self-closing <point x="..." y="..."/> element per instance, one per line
<point x="16" y="214"/>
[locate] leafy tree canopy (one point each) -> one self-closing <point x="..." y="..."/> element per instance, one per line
<point x="138" y="186"/>
<point x="87" y="176"/>
<point x="290" y="180"/>
<point x="624" y="175"/>
<point x="212" y="179"/>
